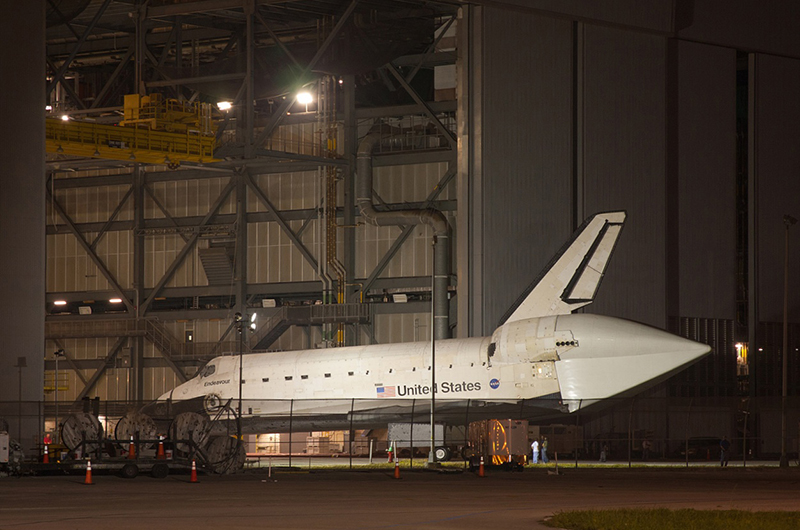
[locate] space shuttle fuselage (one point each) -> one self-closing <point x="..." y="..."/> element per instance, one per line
<point x="542" y="359"/>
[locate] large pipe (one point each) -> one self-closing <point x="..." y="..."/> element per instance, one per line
<point x="431" y="217"/>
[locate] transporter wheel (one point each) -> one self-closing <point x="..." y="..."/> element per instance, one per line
<point x="129" y="471"/>
<point x="159" y="471"/>
<point x="442" y="454"/>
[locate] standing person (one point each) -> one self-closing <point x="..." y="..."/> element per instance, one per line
<point x="535" y="449"/>
<point x="603" y="453"/>
<point x="645" y="449"/>
<point x="544" y="450"/>
<point x="724" y="449"/>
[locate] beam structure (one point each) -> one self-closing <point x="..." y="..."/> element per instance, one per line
<point x="277" y="217"/>
<point x="219" y="26"/>
<point x="112" y="355"/>
<point x="112" y="281"/>
<point x="187" y="247"/>
<point x="281" y="112"/>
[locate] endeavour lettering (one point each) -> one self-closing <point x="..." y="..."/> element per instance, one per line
<point x="215" y="383"/>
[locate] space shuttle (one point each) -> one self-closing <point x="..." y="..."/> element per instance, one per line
<point x="543" y="360"/>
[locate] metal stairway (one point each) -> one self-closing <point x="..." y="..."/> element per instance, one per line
<point x="217" y="265"/>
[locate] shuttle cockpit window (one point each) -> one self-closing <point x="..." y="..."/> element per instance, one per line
<point x="207" y="370"/>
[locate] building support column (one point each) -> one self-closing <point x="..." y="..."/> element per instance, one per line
<point x="136" y="380"/>
<point x="240" y="267"/>
<point x="22" y="219"/>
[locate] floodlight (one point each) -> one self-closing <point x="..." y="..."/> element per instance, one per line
<point x="224" y="105"/>
<point x="115" y="301"/>
<point x="304" y="98"/>
<point x="60" y="302"/>
<point x="64" y="117"/>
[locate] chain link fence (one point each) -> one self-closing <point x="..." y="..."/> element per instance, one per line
<point x="685" y="431"/>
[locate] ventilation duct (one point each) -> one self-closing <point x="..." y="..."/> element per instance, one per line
<point x="431" y="217"/>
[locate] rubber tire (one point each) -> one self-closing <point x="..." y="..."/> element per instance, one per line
<point x="129" y="471"/>
<point x="442" y="454"/>
<point x="159" y="471"/>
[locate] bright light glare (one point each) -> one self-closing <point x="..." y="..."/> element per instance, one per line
<point x="60" y="302"/>
<point x="224" y="105"/>
<point x="115" y="301"/>
<point x="48" y="108"/>
<point x="304" y="98"/>
<point x="65" y="117"/>
<point x="253" y="317"/>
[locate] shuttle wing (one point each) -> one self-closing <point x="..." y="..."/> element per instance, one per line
<point x="572" y="278"/>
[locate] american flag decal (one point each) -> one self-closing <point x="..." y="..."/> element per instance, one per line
<point x="386" y="391"/>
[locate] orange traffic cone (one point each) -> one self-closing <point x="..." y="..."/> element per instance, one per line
<point x="481" y="472"/>
<point x="131" y="450"/>
<point x="160" y="455"/>
<point x="194" y="472"/>
<point x="46" y="458"/>
<point x="88" y="480"/>
<point x="396" y="469"/>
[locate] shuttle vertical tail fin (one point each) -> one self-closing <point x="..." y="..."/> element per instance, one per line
<point x="571" y="279"/>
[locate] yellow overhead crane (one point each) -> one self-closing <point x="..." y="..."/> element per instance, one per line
<point x="154" y="131"/>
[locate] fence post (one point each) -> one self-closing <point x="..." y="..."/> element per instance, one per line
<point x="630" y="432"/>
<point x="577" y="426"/>
<point x="413" y="406"/>
<point x="291" y="417"/>
<point x="466" y="435"/>
<point x="350" y="434"/>
<point x="688" y="414"/>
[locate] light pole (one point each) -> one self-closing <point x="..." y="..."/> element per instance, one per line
<point x="240" y="327"/>
<point x="788" y="221"/>
<point x="57" y="354"/>
<point x="432" y="453"/>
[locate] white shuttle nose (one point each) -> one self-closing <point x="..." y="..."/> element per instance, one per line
<point x="615" y="356"/>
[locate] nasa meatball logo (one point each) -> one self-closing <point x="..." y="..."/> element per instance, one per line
<point x="494" y="383"/>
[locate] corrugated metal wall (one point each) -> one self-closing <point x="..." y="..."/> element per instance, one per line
<point x="707" y="180"/>
<point x="777" y="180"/>
<point x="624" y="154"/>
<point x="525" y="184"/>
